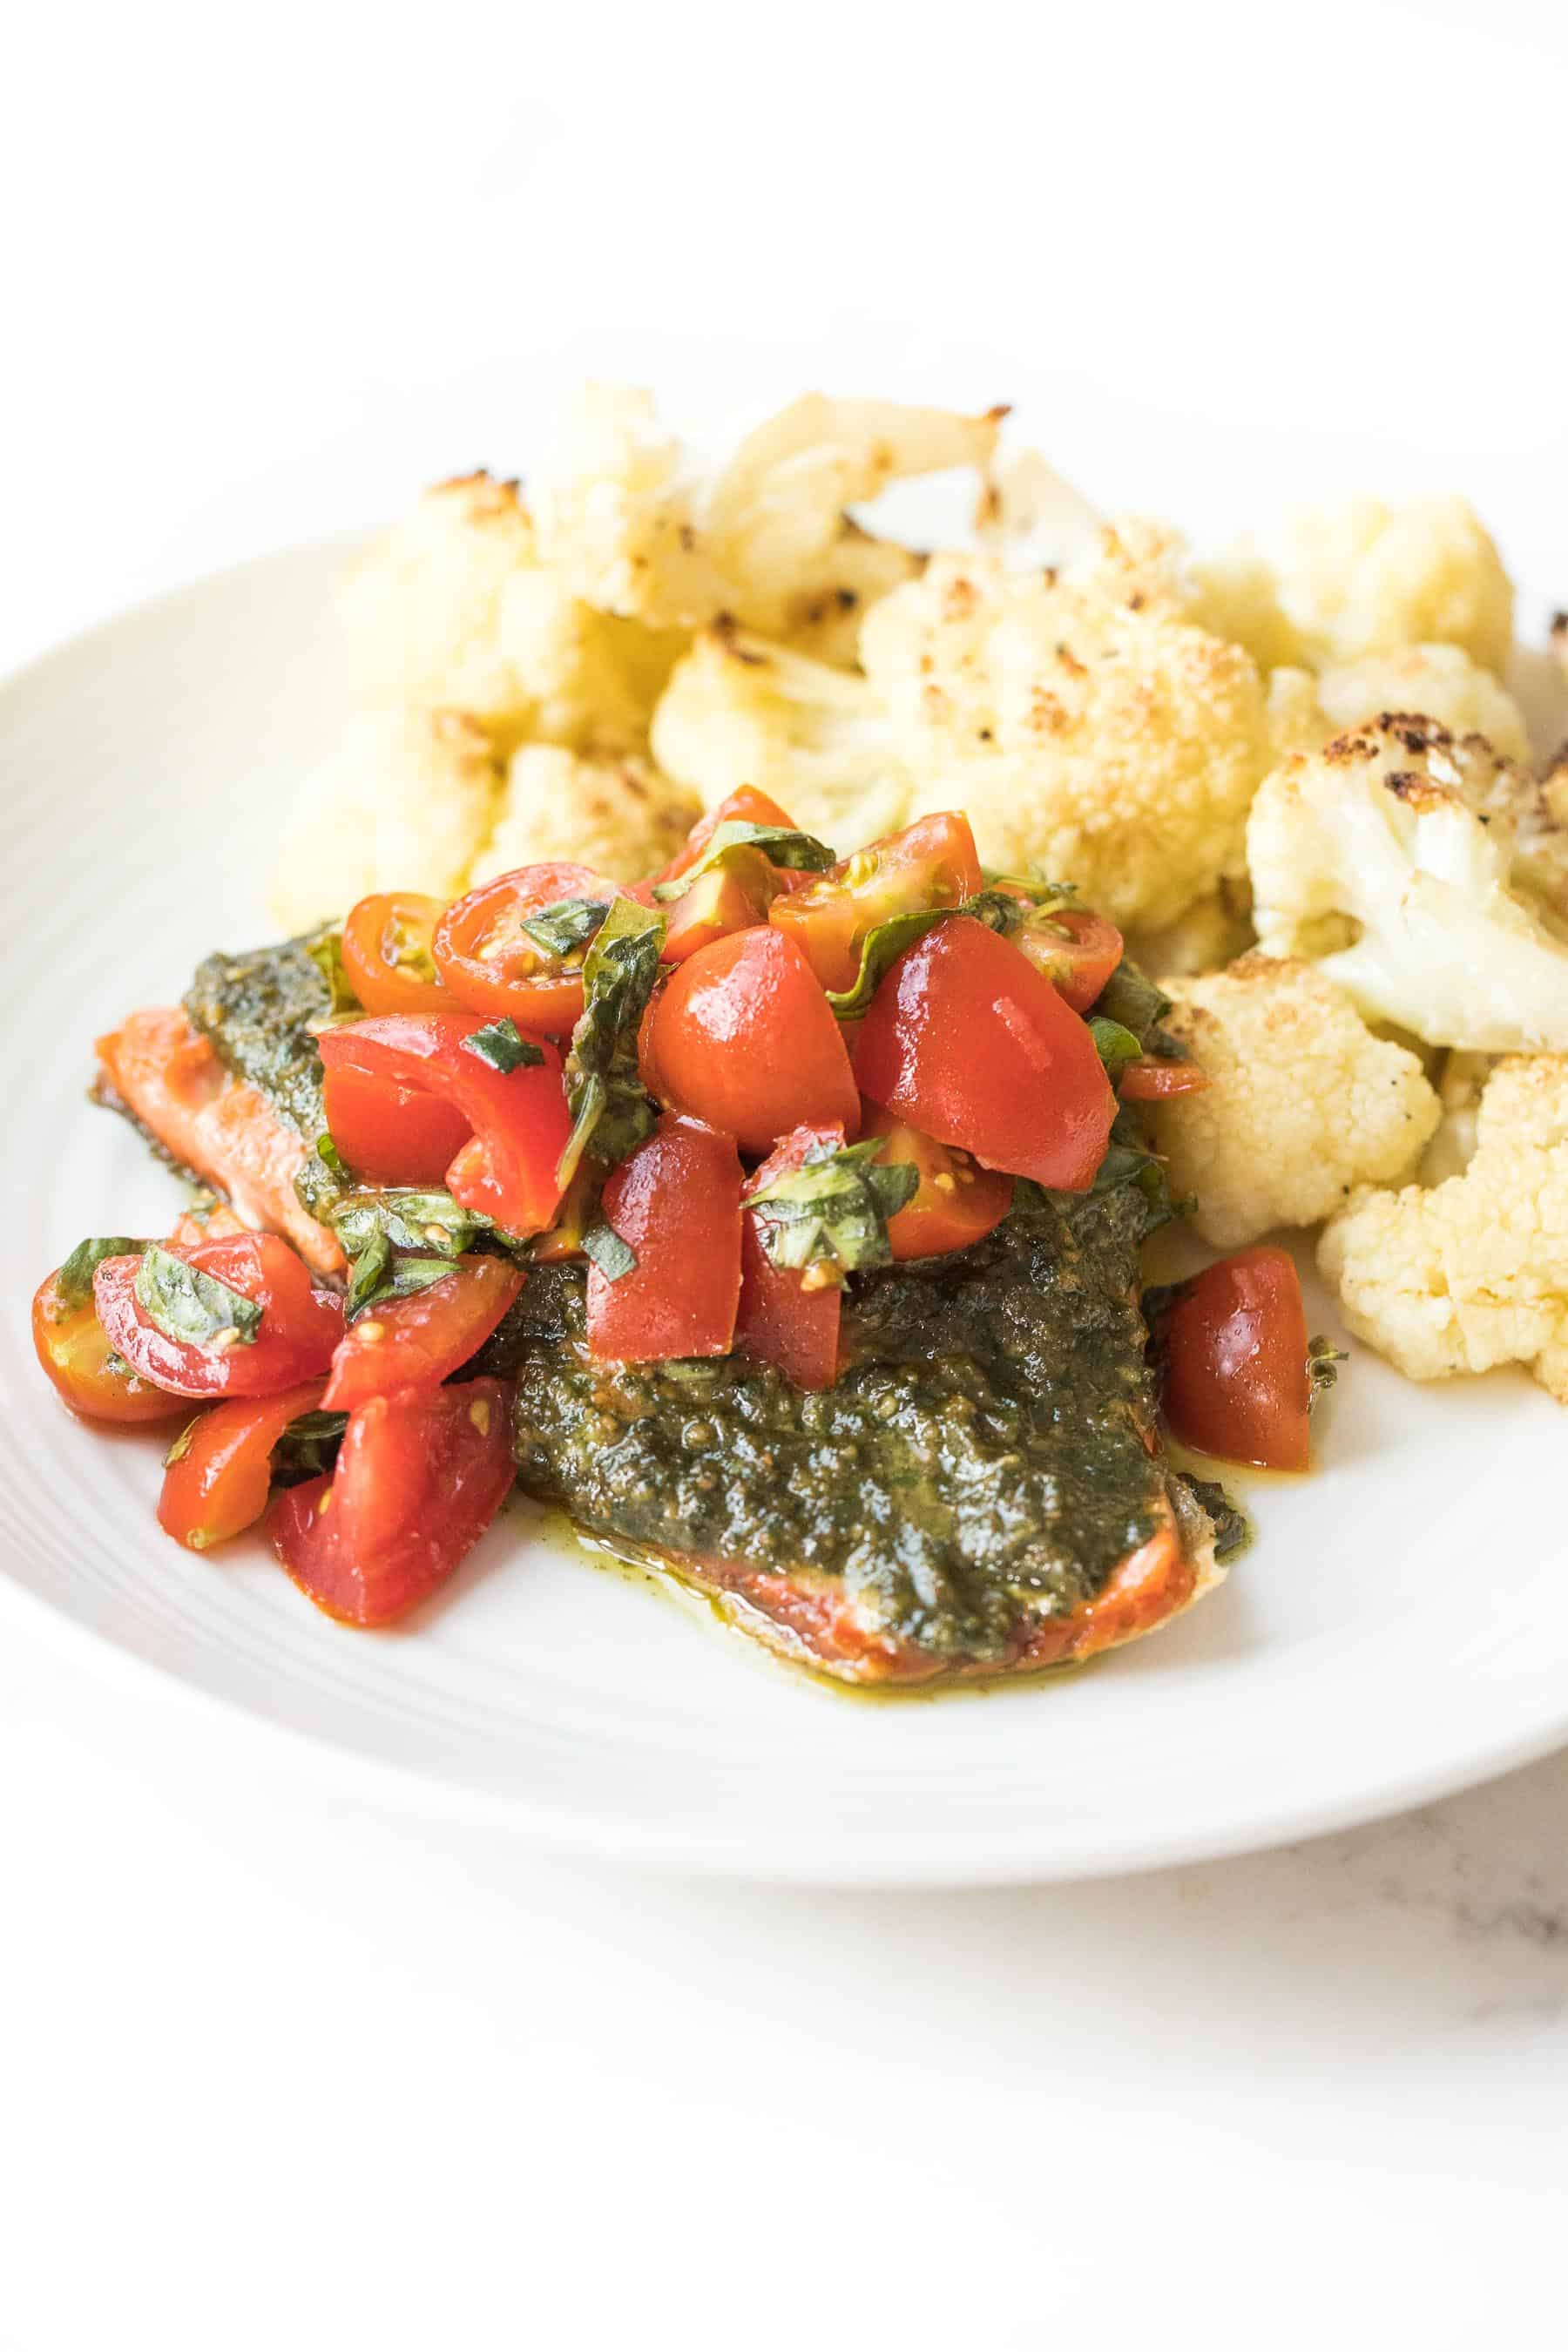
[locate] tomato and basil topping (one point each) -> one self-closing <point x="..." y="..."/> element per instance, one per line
<point x="517" y="1116"/>
<point x="665" y="1277"/>
<point x="235" y="1317"/>
<point x="217" y="1475"/>
<point x="1238" y="1374"/>
<point x="77" y="1354"/>
<point x="419" y="1335"/>
<point x="929" y="867"/>
<point x="953" y="1202"/>
<point x="517" y="944"/>
<point x="610" y="1107"/>
<point x="742" y="1036"/>
<point x="419" y="1476"/>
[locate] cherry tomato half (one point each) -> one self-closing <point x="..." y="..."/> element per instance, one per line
<point x="957" y="1203"/>
<point x="507" y="1169"/>
<point x="300" y="1324"/>
<point x="780" y="1321"/>
<point x="676" y="1203"/>
<point x="388" y="955"/>
<point x="932" y="863"/>
<point x="728" y="897"/>
<point x="490" y="964"/>
<point x="419" y="1477"/>
<point x="1234" y="1346"/>
<point x="419" y="1341"/>
<point x="1076" y="949"/>
<point x="79" y="1356"/>
<point x="218" y="1477"/>
<point x="389" y="1134"/>
<point x="743" y="1038"/>
<point x="1153" y="1080"/>
<point x="967" y="1041"/>
<point x="747" y="806"/>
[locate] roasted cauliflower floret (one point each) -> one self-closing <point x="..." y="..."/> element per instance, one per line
<point x="1440" y="682"/>
<point x="619" y="816"/>
<point x="1215" y="931"/>
<point x="1304" y="1103"/>
<point x="1472" y="1273"/>
<point x="740" y="710"/>
<point x="405" y="803"/>
<point x="1362" y="577"/>
<point x="617" y="519"/>
<point x="452" y="610"/>
<point x="1236" y="595"/>
<point x="1393" y="858"/>
<point x="1084" y="723"/>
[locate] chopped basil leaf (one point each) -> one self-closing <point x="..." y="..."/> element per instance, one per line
<point x="327" y="1151"/>
<point x="182" y="1444"/>
<point x="612" y="1110"/>
<point x="326" y="953"/>
<point x="1232" y="1529"/>
<point x="1323" y="1362"/>
<point x="370" y="1262"/>
<point x="1009" y="901"/>
<point x="1115" y="1046"/>
<point x="398" y="1278"/>
<point x="880" y="949"/>
<point x="567" y="924"/>
<point x="610" y="1254"/>
<point x="308" y="1447"/>
<point x="73" y="1284"/>
<point x="192" y="1307"/>
<point x="407" y="1218"/>
<point x="831" y="1213"/>
<point x="503" y="1045"/>
<point x="1133" y="1001"/>
<point x="801" y="853"/>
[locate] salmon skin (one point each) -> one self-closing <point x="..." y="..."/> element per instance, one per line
<point x="228" y="1088"/>
<point x="981" y="1493"/>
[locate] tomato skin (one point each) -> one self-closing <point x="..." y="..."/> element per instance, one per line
<point x="507" y="1169"/>
<point x="220" y="1484"/>
<point x="676" y="1201"/>
<point x="1153" y="1080"/>
<point x="1077" y="966"/>
<point x="779" y="1322"/>
<point x="490" y="966"/>
<point x="419" y="1477"/>
<point x="727" y="898"/>
<point x="747" y="806"/>
<point x="301" y="1326"/>
<point x="957" y="1203"/>
<point x="383" y="936"/>
<point x="967" y="1042"/>
<point x="932" y="863"/>
<point x="390" y="1134"/>
<point x="743" y="1038"/>
<point x="74" y="1349"/>
<point x="420" y="1340"/>
<point x="1234" y="1346"/>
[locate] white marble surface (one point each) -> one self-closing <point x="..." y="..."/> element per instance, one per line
<point x="278" y="2068"/>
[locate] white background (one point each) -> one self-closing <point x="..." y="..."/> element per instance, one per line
<point x="274" y="2069"/>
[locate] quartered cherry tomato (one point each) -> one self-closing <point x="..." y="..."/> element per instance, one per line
<point x="676" y="1203"/>
<point x="1233" y="1347"/>
<point x="1077" y="950"/>
<point x="958" y="1203"/>
<point x="747" y="806"/>
<point x="387" y="953"/>
<point x="419" y="1341"/>
<point x="728" y="897"/>
<point x="218" y="1475"/>
<point x="80" y="1358"/>
<point x="780" y="1320"/>
<point x="491" y="964"/>
<point x="932" y="863"/>
<point x="743" y="1038"/>
<point x="389" y="1134"/>
<point x="419" y="1477"/>
<point x="1153" y="1080"/>
<point x="519" y="1122"/>
<point x="969" y="1043"/>
<point x="215" y="1224"/>
<point x="299" y="1326"/>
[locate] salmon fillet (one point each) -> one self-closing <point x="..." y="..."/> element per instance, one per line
<point x="167" y="1075"/>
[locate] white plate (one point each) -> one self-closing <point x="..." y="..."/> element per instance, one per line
<point x="1400" y="1628"/>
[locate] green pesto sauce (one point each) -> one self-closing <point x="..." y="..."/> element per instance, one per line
<point x="262" y="1011"/>
<point x="979" y="1463"/>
